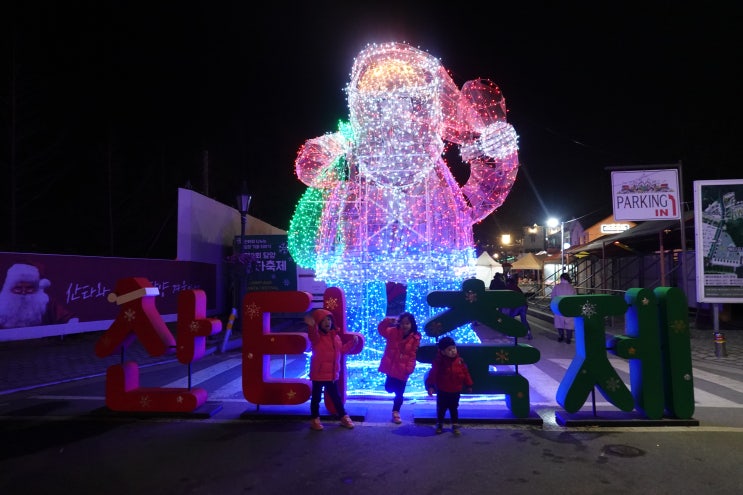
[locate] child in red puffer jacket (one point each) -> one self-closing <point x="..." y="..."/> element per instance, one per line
<point x="399" y="358"/>
<point x="448" y="377"/>
<point x="325" y="364"/>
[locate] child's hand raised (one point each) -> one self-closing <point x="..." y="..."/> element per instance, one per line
<point x="310" y="321"/>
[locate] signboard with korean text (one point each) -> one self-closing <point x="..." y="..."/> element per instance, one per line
<point x="718" y="230"/>
<point x="271" y="267"/>
<point x="646" y="194"/>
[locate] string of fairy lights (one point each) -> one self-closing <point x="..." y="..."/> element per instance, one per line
<point x="382" y="204"/>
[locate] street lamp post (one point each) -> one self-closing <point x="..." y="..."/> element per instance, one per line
<point x="243" y="203"/>
<point x="505" y="240"/>
<point x="239" y="273"/>
<point x="552" y="223"/>
<point x="562" y="246"/>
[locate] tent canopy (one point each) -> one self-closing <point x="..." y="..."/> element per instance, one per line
<point x="486" y="260"/>
<point x="486" y="267"/>
<point x="529" y="261"/>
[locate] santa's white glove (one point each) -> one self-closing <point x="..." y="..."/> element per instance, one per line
<point x="497" y="140"/>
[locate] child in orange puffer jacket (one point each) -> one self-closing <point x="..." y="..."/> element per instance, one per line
<point x="325" y="364"/>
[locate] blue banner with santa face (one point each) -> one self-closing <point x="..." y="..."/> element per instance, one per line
<point x="41" y="289"/>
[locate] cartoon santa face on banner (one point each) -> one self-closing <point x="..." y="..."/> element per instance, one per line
<point x="23" y="300"/>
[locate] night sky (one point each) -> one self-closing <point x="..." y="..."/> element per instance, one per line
<point x="108" y="107"/>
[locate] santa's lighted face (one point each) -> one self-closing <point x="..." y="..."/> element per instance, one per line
<point x="395" y="114"/>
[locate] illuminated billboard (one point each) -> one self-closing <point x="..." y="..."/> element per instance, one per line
<point x="718" y="230"/>
<point x="646" y="195"/>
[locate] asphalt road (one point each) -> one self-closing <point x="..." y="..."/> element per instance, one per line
<point x="156" y="456"/>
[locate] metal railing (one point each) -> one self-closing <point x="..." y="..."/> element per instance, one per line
<point x="593" y="275"/>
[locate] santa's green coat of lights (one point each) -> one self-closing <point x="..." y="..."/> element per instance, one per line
<point x="382" y="204"/>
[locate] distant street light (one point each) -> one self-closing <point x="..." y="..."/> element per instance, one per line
<point x="243" y="203"/>
<point x="505" y="240"/>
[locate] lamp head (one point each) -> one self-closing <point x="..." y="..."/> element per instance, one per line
<point x="243" y="199"/>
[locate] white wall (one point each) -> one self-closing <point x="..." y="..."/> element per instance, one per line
<point x="206" y="229"/>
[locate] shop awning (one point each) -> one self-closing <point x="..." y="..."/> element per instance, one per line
<point x="642" y="239"/>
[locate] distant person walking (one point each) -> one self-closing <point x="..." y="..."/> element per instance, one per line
<point x="399" y="358"/>
<point x="497" y="283"/>
<point x="564" y="324"/>
<point x="512" y="284"/>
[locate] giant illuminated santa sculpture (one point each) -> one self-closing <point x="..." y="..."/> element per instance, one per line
<point x="382" y="204"/>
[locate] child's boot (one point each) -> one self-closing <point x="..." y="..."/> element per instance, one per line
<point x="560" y="334"/>
<point x="396" y="417"/>
<point x="346" y="422"/>
<point x="456" y="430"/>
<point x="569" y="336"/>
<point x="439" y="428"/>
<point x="315" y="424"/>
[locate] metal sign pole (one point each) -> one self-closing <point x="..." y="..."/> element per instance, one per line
<point x="682" y="226"/>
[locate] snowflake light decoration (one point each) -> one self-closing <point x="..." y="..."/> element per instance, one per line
<point x="613" y="384"/>
<point x="588" y="310"/>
